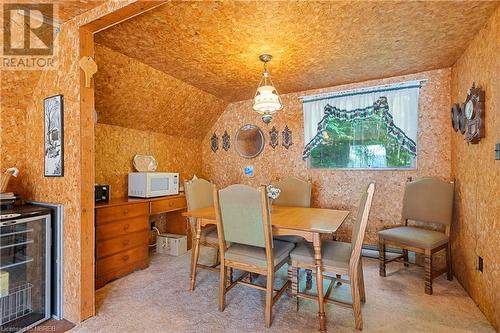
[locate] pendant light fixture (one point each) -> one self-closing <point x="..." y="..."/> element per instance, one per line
<point x="267" y="100"/>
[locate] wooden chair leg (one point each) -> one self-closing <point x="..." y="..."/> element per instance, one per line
<point x="361" y="281"/>
<point x="222" y="287"/>
<point x="290" y="278"/>
<point x="308" y="279"/>
<point x="229" y="277"/>
<point x="428" y="273"/>
<point x="192" y="261"/>
<point x="194" y="258"/>
<point x="356" y="299"/>
<point x="269" y="299"/>
<point x="449" y="273"/>
<point x="293" y="275"/>
<point x="405" y="257"/>
<point x="297" y="298"/>
<point x="217" y="258"/>
<point x="381" y="257"/>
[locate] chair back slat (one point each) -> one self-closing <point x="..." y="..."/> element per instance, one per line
<point x="359" y="228"/>
<point x="428" y="200"/>
<point x="294" y="192"/>
<point x="198" y="195"/>
<point x="242" y="212"/>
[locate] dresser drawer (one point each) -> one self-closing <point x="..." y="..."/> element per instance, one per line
<point x="120" y="260"/>
<point x="121" y="227"/>
<point x="167" y="205"/>
<point x="121" y="243"/>
<point x="113" y="213"/>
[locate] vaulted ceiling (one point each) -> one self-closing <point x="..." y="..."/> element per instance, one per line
<point x="214" y="46"/>
<point x="129" y="93"/>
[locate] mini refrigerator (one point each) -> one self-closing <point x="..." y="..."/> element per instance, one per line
<point x="24" y="268"/>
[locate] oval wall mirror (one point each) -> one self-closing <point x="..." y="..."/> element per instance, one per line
<point x="249" y="141"/>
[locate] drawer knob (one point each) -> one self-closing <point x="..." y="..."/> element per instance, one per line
<point x="126" y="242"/>
<point x="125" y="257"/>
<point x="126" y="227"/>
<point x="125" y="211"/>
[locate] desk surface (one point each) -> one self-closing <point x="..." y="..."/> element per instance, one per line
<point x="128" y="200"/>
<point x="318" y="220"/>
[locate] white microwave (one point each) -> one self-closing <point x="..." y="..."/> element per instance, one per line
<point x="152" y="184"/>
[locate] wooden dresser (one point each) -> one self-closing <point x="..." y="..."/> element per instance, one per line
<point x="122" y="233"/>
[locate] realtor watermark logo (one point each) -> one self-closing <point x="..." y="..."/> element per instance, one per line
<point x="29" y="32"/>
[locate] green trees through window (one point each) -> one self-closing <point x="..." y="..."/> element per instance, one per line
<point x="365" y="142"/>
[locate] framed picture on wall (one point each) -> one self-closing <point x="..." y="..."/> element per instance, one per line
<point x="54" y="136"/>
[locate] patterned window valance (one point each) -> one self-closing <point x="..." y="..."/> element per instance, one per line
<point x="379" y="108"/>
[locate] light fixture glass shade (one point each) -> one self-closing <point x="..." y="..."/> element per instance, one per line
<point x="267" y="100"/>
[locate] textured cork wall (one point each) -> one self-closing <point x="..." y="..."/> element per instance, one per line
<point x="66" y="190"/>
<point x="334" y="188"/>
<point x="116" y="146"/>
<point x="477" y="227"/>
<point x="16" y="90"/>
<point x="131" y="94"/>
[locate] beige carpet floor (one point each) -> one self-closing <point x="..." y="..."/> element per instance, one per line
<point x="157" y="300"/>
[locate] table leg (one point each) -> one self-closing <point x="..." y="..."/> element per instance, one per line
<point x="319" y="281"/>
<point x="196" y="254"/>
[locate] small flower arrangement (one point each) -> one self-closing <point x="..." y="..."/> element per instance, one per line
<point x="273" y="192"/>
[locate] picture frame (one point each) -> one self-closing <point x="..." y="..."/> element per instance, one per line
<point x="53" y="111"/>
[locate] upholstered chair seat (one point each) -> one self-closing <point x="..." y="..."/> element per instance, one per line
<point x="417" y="237"/>
<point x="256" y="256"/>
<point x="335" y="254"/>
<point x="290" y="239"/>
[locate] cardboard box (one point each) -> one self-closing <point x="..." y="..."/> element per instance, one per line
<point x="172" y="244"/>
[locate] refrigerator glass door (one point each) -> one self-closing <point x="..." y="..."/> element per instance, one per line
<point x="24" y="273"/>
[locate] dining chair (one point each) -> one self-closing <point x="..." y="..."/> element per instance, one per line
<point x="243" y="218"/>
<point x="295" y="192"/>
<point x="427" y="200"/>
<point x="199" y="195"/>
<point x="339" y="258"/>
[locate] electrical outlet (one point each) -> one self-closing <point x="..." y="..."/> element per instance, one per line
<point x="480" y="263"/>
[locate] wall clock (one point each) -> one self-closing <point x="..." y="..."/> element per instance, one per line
<point x="474" y="114"/>
<point x="455" y="114"/>
<point x="461" y="119"/>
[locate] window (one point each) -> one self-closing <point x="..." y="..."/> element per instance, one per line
<point x="367" y="129"/>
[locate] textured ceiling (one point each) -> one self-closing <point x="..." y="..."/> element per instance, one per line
<point x="215" y="45"/>
<point x="130" y="94"/>
<point x="68" y="9"/>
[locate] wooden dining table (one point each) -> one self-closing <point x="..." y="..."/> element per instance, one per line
<point x="309" y="223"/>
